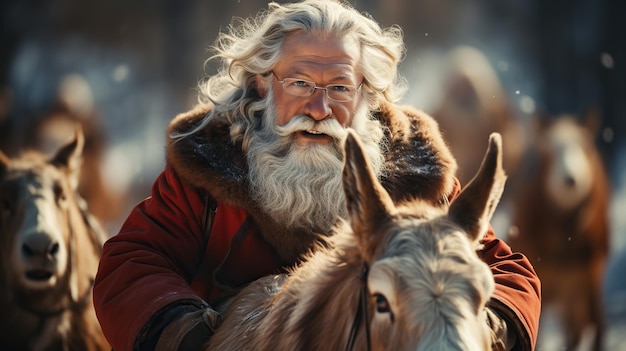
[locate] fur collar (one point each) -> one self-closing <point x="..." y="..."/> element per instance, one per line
<point x="418" y="163"/>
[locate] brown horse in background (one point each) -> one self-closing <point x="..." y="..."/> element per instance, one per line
<point x="395" y="277"/>
<point x="560" y="220"/>
<point x="50" y="247"/>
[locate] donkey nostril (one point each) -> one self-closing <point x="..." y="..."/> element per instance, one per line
<point x="27" y="251"/>
<point x="570" y="181"/>
<point x="54" y="249"/>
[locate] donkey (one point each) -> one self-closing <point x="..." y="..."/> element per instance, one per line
<point x="392" y="277"/>
<point x="50" y="247"/>
<point x="560" y="219"/>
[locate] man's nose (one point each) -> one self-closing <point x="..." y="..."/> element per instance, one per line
<point x="318" y="106"/>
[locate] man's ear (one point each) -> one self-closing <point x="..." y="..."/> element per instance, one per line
<point x="261" y="85"/>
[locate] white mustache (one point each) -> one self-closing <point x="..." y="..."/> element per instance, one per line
<point x="328" y="126"/>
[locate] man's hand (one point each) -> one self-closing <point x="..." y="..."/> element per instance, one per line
<point x="189" y="332"/>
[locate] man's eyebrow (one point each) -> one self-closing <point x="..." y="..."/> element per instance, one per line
<point x="295" y="72"/>
<point x="342" y="77"/>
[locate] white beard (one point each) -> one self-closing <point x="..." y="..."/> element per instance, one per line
<point x="301" y="187"/>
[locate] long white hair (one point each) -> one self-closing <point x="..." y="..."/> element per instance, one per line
<point x="252" y="47"/>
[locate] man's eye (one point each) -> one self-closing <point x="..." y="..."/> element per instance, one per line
<point x="301" y="84"/>
<point x="340" y="88"/>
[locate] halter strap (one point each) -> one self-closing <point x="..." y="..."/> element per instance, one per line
<point x="361" y="312"/>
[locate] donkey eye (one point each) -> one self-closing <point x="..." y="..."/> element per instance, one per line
<point x="59" y="193"/>
<point x="382" y="305"/>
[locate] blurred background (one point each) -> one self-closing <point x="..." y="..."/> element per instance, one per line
<point x="125" y="68"/>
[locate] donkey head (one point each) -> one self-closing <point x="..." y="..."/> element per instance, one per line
<point x="426" y="283"/>
<point x="36" y="200"/>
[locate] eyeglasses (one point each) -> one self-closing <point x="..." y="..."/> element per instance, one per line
<point x="303" y="88"/>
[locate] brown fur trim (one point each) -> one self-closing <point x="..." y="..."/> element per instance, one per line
<point x="209" y="159"/>
<point x="418" y="164"/>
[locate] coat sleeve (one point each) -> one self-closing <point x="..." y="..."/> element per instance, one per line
<point x="149" y="263"/>
<point x="517" y="295"/>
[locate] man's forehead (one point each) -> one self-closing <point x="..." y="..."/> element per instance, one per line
<point x="303" y="50"/>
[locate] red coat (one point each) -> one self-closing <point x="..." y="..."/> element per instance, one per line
<point x="159" y="255"/>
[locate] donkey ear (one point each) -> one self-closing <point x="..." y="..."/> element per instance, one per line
<point x="70" y="156"/>
<point x="368" y="203"/>
<point x="475" y="205"/>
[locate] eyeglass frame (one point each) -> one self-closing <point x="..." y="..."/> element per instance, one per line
<point x="314" y="86"/>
